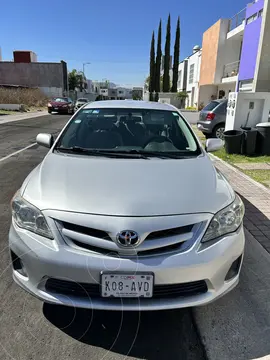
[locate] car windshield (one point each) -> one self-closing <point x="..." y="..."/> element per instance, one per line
<point x="60" y="99"/>
<point x="82" y="100"/>
<point x="211" y="106"/>
<point x="129" y="131"/>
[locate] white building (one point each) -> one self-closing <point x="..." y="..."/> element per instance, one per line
<point x="193" y="77"/>
<point x="189" y="76"/>
<point x="123" y="93"/>
<point x="182" y="75"/>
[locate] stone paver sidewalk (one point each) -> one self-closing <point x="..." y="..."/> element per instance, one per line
<point x="253" y="166"/>
<point x="256" y="198"/>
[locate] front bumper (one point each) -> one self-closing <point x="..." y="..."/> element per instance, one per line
<point x="64" y="110"/>
<point x="42" y="260"/>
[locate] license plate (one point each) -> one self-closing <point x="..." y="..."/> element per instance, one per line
<point x="55" y="108"/>
<point x="127" y="285"/>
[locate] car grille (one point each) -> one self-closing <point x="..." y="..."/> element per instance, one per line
<point x="87" y="231"/>
<point x="155" y="243"/>
<point x="64" y="287"/>
<point x="169" y="232"/>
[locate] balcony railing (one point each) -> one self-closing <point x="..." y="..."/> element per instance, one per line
<point x="231" y="69"/>
<point x="237" y="19"/>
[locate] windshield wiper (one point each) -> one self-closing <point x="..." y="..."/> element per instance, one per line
<point x="96" y="152"/>
<point x="160" y="155"/>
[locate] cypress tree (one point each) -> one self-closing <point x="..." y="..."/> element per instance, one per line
<point x="158" y="58"/>
<point x="167" y="57"/>
<point x="176" y="57"/>
<point x="152" y="65"/>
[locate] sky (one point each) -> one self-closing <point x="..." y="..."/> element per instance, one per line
<point x="113" y="36"/>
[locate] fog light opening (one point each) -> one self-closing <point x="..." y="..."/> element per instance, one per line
<point x="234" y="269"/>
<point x="17" y="264"/>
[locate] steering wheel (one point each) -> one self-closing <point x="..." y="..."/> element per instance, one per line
<point x="158" y="139"/>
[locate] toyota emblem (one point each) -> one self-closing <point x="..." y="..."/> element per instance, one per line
<point x="128" y="238"/>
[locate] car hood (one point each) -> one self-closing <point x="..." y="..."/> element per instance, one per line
<point x="127" y="187"/>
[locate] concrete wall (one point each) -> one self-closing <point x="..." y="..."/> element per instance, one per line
<point x="231" y="54"/>
<point x="227" y="87"/>
<point x="74" y="95"/>
<point x="205" y="93"/>
<point x="223" y="56"/>
<point x="32" y="74"/>
<point x="169" y="98"/>
<point x="242" y="115"/>
<point x="250" y="43"/>
<point x="209" y="54"/>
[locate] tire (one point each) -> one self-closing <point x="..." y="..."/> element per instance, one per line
<point x="49" y="111"/>
<point x="218" y="131"/>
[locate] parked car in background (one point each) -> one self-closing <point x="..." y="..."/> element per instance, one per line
<point x="61" y="105"/>
<point x="148" y="238"/>
<point x="212" y="119"/>
<point x="80" y="102"/>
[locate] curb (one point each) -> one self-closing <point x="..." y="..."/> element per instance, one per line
<point x="229" y="166"/>
<point x="12" y="118"/>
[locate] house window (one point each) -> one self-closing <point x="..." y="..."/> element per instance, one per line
<point x="191" y="74"/>
<point x="260" y="13"/>
<point x="251" y="19"/>
<point x="121" y="92"/>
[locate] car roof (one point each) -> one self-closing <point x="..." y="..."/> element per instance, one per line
<point x="220" y="100"/>
<point x="130" y="104"/>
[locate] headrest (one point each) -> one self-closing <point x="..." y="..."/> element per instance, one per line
<point x="122" y="118"/>
<point x="137" y="119"/>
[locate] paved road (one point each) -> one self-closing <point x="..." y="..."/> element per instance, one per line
<point x="31" y="330"/>
<point x="191" y="116"/>
<point x="236" y="327"/>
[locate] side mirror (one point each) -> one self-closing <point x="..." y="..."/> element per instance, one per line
<point x="45" y="140"/>
<point x="213" y="145"/>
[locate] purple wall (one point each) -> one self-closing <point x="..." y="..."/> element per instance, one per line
<point x="250" y="43"/>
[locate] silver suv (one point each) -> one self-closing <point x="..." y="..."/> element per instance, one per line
<point x="212" y="119"/>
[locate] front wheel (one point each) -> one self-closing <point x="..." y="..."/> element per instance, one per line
<point x="49" y="111"/>
<point x="219" y="131"/>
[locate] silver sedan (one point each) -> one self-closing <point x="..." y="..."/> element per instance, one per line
<point x="115" y="217"/>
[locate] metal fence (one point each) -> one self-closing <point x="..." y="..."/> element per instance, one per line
<point x="237" y="19"/>
<point x="231" y="69"/>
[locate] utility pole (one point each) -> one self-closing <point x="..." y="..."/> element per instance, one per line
<point x="87" y="63"/>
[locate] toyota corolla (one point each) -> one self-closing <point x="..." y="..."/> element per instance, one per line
<point x="127" y="212"/>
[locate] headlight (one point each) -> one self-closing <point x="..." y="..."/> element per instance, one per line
<point x="28" y="217"/>
<point x="49" y="105"/>
<point x="226" y="220"/>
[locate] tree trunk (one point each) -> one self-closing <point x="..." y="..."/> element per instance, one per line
<point x="158" y="59"/>
<point x="152" y="65"/>
<point x="176" y="57"/>
<point x="167" y="58"/>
